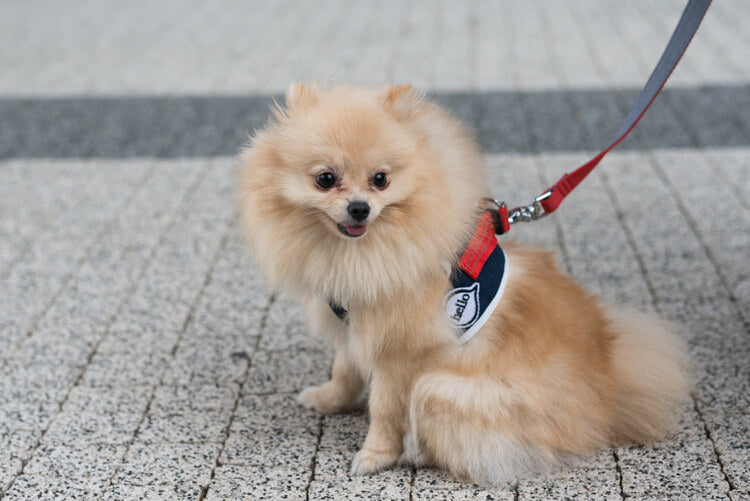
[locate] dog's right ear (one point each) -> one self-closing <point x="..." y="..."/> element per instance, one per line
<point x="301" y="96"/>
<point x="401" y="99"/>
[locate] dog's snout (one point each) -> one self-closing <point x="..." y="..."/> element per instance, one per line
<point x="358" y="210"/>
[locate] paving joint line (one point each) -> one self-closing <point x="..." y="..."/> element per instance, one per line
<point x="618" y="467"/>
<point x="710" y="438"/>
<point x="186" y="196"/>
<point x="412" y="481"/>
<point x="261" y="331"/>
<point x="314" y="459"/>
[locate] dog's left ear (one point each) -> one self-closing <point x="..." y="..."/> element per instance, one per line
<point x="401" y="99"/>
<point x="300" y="96"/>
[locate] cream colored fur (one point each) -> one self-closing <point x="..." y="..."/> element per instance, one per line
<point x="552" y="373"/>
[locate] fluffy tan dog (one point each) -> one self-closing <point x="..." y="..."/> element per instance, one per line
<point x="363" y="200"/>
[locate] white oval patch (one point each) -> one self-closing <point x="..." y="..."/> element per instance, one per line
<point x="462" y="305"/>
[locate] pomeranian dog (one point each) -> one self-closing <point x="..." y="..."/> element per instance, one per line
<point x="363" y="203"/>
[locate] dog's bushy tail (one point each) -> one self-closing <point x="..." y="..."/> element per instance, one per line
<point x="652" y="376"/>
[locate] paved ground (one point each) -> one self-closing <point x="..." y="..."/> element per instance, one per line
<point x="142" y="356"/>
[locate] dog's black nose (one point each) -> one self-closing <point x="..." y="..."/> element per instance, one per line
<point x="358" y="210"/>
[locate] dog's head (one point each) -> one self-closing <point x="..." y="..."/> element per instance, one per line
<point x="343" y="156"/>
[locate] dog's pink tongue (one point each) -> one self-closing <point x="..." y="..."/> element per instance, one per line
<point x="356" y="229"/>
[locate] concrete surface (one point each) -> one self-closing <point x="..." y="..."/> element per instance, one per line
<point x="143" y="357"/>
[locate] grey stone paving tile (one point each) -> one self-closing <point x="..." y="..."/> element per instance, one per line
<point x="92" y="428"/>
<point x="235" y="299"/>
<point x="28" y="416"/>
<point x="38" y="383"/>
<point x="287" y="370"/>
<point x="662" y="473"/>
<point x="56" y="348"/>
<point x="19" y="443"/>
<point x="431" y="482"/>
<point x="35" y="487"/>
<point x="732" y="165"/>
<point x="80" y="465"/>
<point x="685" y="462"/>
<point x="286" y="328"/>
<point x="280" y="449"/>
<point x="127" y="492"/>
<point x="258" y="482"/>
<point x="10" y="468"/>
<point x="219" y="397"/>
<point x="587" y="484"/>
<point x="739" y="495"/>
<point x="273" y="430"/>
<point x="228" y="315"/>
<point x="172" y="464"/>
<point x="210" y="359"/>
<point x="122" y="339"/>
<point x="187" y="427"/>
<point x="100" y="400"/>
<point x="390" y="487"/>
<point x="94" y="415"/>
<point x="735" y="466"/>
<point x="196" y="414"/>
<point x="125" y="369"/>
<point x="462" y="494"/>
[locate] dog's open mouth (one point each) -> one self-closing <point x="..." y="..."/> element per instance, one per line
<point x="355" y="230"/>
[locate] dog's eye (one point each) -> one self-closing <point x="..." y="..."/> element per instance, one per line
<point x="380" y="180"/>
<point x="325" y="180"/>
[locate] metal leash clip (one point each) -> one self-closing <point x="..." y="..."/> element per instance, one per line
<point x="524" y="213"/>
<point x="531" y="212"/>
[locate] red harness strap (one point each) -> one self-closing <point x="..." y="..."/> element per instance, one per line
<point x="482" y="243"/>
<point x="551" y="199"/>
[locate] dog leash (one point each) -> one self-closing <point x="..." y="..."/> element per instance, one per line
<point x="550" y="200"/>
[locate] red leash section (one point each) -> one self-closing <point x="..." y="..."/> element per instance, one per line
<point x="551" y="199"/>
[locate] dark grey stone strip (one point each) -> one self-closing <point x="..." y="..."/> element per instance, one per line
<point x="170" y="127"/>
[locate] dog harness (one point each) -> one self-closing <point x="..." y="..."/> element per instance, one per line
<point x="478" y="281"/>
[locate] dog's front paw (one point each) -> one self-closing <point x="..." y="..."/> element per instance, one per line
<point x="370" y="461"/>
<point x="311" y="398"/>
<point x="323" y="399"/>
<point x="327" y="399"/>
